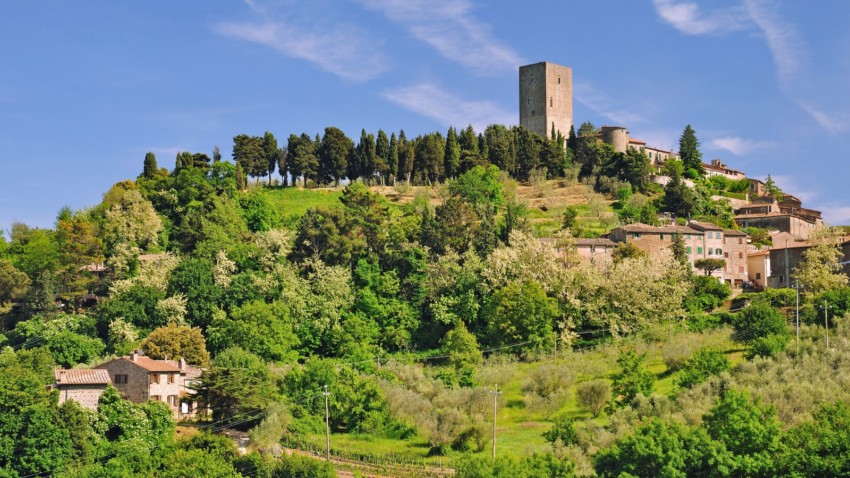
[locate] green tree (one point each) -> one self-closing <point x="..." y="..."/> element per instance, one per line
<point x="174" y="342"/>
<point x="519" y="312"/>
<point x="820" y="448"/>
<point x="451" y="160"/>
<point x="709" y="265"/>
<point x="194" y="279"/>
<point x="70" y="349"/>
<point x="772" y="189"/>
<point x="382" y="156"/>
<point x="757" y="321"/>
<point x="270" y="153"/>
<point x="334" y="151"/>
<point x="689" y="152"/>
<point x="481" y="187"/>
<point x="563" y="430"/>
<point x="594" y="395"/>
<point x="820" y="269"/>
<point x="463" y="351"/>
<point x="664" y="450"/>
<point x="237" y="383"/>
<point x="302" y="158"/>
<point x="267" y="327"/>
<point x="678" y="198"/>
<point x="632" y="379"/>
<point x="677" y="247"/>
<point x="627" y="250"/>
<point x="704" y="364"/>
<point x="150" y="169"/>
<point x="13" y="285"/>
<point x="749" y="430"/>
<point x="250" y="153"/>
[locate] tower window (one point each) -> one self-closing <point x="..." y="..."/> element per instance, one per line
<point x="559" y="80"/>
<point x="550" y="101"/>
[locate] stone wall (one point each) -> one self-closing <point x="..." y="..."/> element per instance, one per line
<point x="86" y="395"/>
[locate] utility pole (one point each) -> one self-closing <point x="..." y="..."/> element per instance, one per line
<point x="826" y="321"/>
<point x="496" y="394"/>
<point x="797" y="348"/>
<point x="327" y="423"/>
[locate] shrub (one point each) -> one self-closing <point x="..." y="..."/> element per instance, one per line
<point x="704" y="363"/>
<point x="700" y="322"/>
<point x="547" y="387"/>
<point x="767" y="346"/>
<point x="593" y="395"/>
<point x="633" y="379"/>
<point x="563" y="430"/>
<point x="759" y="320"/>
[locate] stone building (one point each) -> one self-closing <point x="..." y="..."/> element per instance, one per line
<point x="758" y="265"/>
<point x="620" y="139"/>
<point x="139" y="379"/>
<point x="595" y="249"/>
<point x="546" y="98"/>
<point x="82" y="386"/>
<point x="702" y="241"/>
<point x="717" y="168"/>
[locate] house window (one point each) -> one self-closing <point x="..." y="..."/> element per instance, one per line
<point x="740" y="269"/>
<point x="699" y="250"/>
<point x="688" y="249"/>
<point x="718" y="251"/>
<point x="726" y="255"/>
<point x="740" y="255"/>
<point x="156" y="398"/>
<point x="154" y="378"/>
<point x="636" y="235"/>
<point x="171" y="378"/>
<point x="559" y="80"/>
<point x="172" y="400"/>
<point x="661" y="236"/>
<point x="550" y="101"/>
<point x="708" y="234"/>
<point x="758" y="275"/>
<point x="121" y="378"/>
<point x="709" y="251"/>
<point x="719" y="235"/>
<point x="740" y="240"/>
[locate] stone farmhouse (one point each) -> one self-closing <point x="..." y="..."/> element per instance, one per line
<point x="717" y="168"/>
<point x="595" y="249"/>
<point x="139" y="379"/>
<point x="81" y="386"/>
<point x="786" y="215"/>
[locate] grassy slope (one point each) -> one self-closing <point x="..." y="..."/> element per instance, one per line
<point x="519" y="429"/>
<point x="546" y="202"/>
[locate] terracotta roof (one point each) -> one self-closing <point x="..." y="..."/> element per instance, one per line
<point x="733" y="232"/>
<point x="82" y="377"/>
<point x="646" y="228"/>
<point x="188" y="371"/>
<point x="636" y="141"/>
<point x="598" y="241"/>
<point x="148" y="364"/>
<point x="706" y="226"/>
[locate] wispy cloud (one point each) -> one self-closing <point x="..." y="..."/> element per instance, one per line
<point x="342" y="49"/>
<point x="688" y="18"/>
<point x="451" y="28"/>
<point x="837" y="216"/>
<point x="739" y="146"/>
<point x="432" y="101"/>
<point x="784" y="43"/>
<point x="603" y="105"/>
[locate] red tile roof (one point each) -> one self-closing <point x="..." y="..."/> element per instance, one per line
<point x="148" y="364"/>
<point x="82" y="377"/>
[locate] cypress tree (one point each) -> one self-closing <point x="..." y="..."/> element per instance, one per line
<point x="392" y="160"/>
<point x="150" y="167"/>
<point x="452" y="154"/>
<point x="689" y="151"/>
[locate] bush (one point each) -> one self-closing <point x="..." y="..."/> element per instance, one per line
<point x="757" y="321"/>
<point x="767" y="346"/>
<point x="563" y="430"/>
<point x="704" y="363"/>
<point x="593" y="395"/>
<point x="707" y="293"/>
<point x="633" y="379"/>
<point x="700" y="322"/>
<point x="547" y="387"/>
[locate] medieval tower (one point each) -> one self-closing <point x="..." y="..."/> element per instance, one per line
<point x="546" y="98"/>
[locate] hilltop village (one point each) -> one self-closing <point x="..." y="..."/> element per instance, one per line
<point x="546" y="108"/>
<point x="525" y="301"/>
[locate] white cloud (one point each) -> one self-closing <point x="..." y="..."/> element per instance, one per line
<point x="832" y="123"/>
<point x="837" y="216"/>
<point x="432" y="101"/>
<point x="738" y="146"/>
<point x="687" y="17"/>
<point x="451" y="28"/>
<point x="602" y="105"/>
<point x="342" y="49"/>
<point x="782" y="39"/>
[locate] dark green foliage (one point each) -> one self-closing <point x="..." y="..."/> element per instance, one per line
<point x="464" y="354"/>
<point x="327" y="234"/>
<point x="820" y="448"/>
<point x="678" y="198"/>
<point x="266" y="327"/>
<point x="302" y="158"/>
<point x="757" y="321"/>
<point x="689" y="151"/>
<point x="703" y="364"/>
<point x="678" y="248"/>
<point x="481" y="187"/>
<point x="707" y="294"/>
<point x="249" y="152"/>
<point x="451" y="162"/>
<point x="838" y="301"/>
<point x="270" y="153"/>
<point x="136" y="305"/>
<point x="150" y="169"/>
<point x="194" y="279"/>
<point x="237" y="383"/>
<point x="708" y="266"/>
<point x="563" y="430"/>
<point x="70" y="349"/>
<point x="377" y="299"/>
<point x="258" y="213"/>
<point x="333" y="152"/>
<point x="633" y="378"/>
<point x="749" y="430"/>
<point x="664" y="450"/>
<point x="520" y="312"/>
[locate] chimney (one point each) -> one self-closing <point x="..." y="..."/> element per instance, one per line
<point x="182" y="363"/>
<point x="134" y="355"/>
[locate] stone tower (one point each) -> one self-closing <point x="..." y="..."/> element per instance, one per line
<point x="546" y="98"/>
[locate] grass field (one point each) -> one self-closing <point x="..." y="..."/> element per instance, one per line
<point x="520" y="429"/>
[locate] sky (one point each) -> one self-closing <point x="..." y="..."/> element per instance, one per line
<point x="87" y="88"/>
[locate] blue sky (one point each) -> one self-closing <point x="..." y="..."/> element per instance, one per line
<point x="87" y="88"/>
